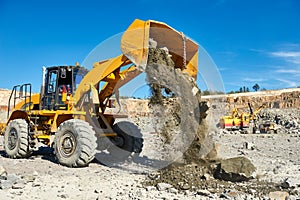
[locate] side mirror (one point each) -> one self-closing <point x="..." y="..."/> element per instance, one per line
<point x="63" y="73"/>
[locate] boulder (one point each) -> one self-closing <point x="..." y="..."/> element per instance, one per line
<point x="236" y="169"/>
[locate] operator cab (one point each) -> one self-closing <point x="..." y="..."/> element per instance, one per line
<point x="59" y="84"/>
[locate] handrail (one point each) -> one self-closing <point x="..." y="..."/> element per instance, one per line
<point x="21" y="89"/>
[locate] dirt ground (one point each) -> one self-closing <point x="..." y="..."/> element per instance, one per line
<point x="275" y="156"/>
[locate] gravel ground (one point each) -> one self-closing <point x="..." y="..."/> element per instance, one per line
<point x="275" y="156"/>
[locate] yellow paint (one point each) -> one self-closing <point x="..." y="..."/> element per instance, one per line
<point x="135" y="44"/>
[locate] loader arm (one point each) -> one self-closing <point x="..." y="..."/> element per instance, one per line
<point x="99" y="72"/>
<point x="135" y="48"/>
<point x="111" y="74"/>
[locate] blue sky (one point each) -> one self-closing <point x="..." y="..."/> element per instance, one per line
<point x="249" y="41"/>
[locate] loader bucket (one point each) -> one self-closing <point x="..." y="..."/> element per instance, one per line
<point x="135" y="45"/>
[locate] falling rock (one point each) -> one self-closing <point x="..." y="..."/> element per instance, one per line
<point x="163" y="186"/>
<point x="278" y="195"/>
<point x="213" y="153"/>
<point x="236" y="169"/>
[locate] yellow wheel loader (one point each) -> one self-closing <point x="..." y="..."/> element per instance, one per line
<point x="69" y="113"/>
<point x="241" y="120"/>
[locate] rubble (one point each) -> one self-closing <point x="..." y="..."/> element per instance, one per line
<point x="3" y="173"/>
<point x="278" y="195"/>
<point x="10" y="180"/>
<point x="291" y="182"/>
<point x="163" y="186"/>
<point x="286" y="120"/>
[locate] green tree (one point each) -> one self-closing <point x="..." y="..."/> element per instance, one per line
<point x="206" y="92"/>
<point x="256" y="87"/>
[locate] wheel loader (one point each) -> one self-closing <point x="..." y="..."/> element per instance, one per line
<point x="69" y="112"/>
<point x="241" y="120"/>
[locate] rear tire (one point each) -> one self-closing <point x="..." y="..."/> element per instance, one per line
<point x="16" y="139"/>
<point x="75" y="143"/>
<point x="128" y="142"/>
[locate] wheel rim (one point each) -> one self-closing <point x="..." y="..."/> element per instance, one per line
<point x="118" y="141"/>
<point x="12" y="139"/>
<point x="68" y="144"/>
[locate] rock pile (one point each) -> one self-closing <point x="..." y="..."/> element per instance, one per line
<point x="287" y="120"/>
<point x="14" y="181"/>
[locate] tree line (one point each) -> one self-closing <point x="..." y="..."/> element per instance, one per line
<point x="242" y="89"/>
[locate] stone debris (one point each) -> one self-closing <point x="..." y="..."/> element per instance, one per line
<point x="10" y="180"/>
<point x="278" y="195"/>
<point x="3" y="173"/>
<point x="291" y="182"/>
<point x="163" y="186"/>
<point x="203" y="192"/>
<point x="286" y="120"/>
<point x="248" y="146"/>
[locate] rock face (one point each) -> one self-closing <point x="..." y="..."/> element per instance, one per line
<point x="286" y="98"/>
<point x="235" y="169"/>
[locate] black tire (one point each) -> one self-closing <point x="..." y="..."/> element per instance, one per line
<point x="16" y="139"/>
<point x="75" y="143"/>
<point x="128" y="142"/>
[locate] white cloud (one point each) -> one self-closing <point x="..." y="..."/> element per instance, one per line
<point x="248" y="79"/>
<point x="287" y="71"/>
<point x="288" y="56"/>
<point x="290" y="83"/>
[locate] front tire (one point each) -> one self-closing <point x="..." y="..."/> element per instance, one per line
<point x="16" y="139"/>
<point x="128" y="141"/>
<point x="75" y="143"/>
